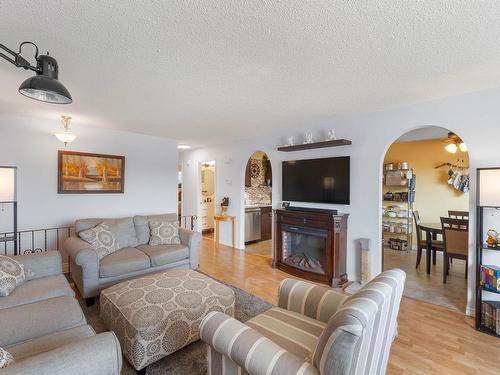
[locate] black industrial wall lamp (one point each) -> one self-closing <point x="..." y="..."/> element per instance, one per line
<point x="45" y="85"/>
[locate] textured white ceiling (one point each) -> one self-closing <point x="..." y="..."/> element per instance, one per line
<point x="201" y="71"/>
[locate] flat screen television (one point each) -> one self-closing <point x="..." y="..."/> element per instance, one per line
<point x="317" y="180"/>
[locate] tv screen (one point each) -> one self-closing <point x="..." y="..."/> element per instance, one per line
<point x="317" y="180"/>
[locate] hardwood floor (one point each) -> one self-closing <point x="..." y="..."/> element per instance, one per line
<point x="430" y="288"/>
<point x="431" y="340"/>
<point x="260" y="248"/>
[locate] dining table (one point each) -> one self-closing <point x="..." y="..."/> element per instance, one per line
<point x="431" y="232"/>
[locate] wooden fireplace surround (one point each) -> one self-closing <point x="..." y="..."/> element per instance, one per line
<point x="336" y="244"/>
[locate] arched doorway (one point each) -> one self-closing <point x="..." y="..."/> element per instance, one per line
<point x="258" y="204"/>
<point x="426" y="182"/>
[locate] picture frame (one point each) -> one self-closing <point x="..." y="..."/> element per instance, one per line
<point x="88" y="173"/>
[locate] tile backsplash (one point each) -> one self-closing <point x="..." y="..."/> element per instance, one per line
<point x="258" y="193"/>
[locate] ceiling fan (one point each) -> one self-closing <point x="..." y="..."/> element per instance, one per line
<point x="454" y="143"/>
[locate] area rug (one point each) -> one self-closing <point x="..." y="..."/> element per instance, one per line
<point x="192" y="359"/>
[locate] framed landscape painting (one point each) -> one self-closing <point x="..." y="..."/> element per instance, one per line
<point x="82" y="173"/>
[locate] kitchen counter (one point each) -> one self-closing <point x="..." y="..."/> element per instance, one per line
<point x="257" y="205"/>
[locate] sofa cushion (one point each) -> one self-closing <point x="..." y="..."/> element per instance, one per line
<point x="165" y="254"/>
<point x="11" y="275"/>
<point x="38" y="290"/>
<point x="164" y="232"/>
<point x="123" y="229"/>
<point x="123" y="261"/>
<point x="101" y="239"/>
<point x="26" y="322"/>
<point x="40" y="265"/>
<point x="294" y="332"/>
<point x="51" y="341"/>
<point x="6" y="358"/>
<point x="142" y="225"/>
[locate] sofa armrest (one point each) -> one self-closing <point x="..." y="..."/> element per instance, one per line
<point x="315" y="301"/>
<point x="191" y="239"/>
<point x="81" y="252"/>
<point x="247" y="348"/>
<point x="99" y="354"/>
<point x="84" y="266"/>
<point x="41" y="264"/>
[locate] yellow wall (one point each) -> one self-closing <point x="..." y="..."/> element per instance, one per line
<point x="434" y="197"/>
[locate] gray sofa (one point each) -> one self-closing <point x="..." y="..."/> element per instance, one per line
<point x="135" y="258"/>
<point x="43" y="326"/>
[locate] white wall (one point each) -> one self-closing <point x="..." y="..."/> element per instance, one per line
<point x="474" y="117"/>
<point x="29" y="144"/>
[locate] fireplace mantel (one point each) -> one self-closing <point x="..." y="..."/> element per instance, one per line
<point x="311" y="245"/>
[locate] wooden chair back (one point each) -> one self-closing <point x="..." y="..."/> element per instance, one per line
<point x="416" y="218"/>
<point x="455" y="236"/>
<point x="464" y="215"/>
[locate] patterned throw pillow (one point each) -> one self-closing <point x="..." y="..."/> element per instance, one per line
<point x="11" y="275"/>
<point x="5" y="358"/>
<point x="164" y="233"/>
<point x="101" y="239"/>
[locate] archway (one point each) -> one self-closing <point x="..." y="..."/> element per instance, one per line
<point x="258" y="204"/>
<point x="426" y="182"/>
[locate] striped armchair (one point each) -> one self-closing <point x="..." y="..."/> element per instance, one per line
<point x="313" y="331"/>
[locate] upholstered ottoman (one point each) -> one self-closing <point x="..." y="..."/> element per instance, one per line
<point x="156" y="315"/>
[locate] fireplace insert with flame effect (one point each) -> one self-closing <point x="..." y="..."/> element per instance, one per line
<point x="311" y="245"/>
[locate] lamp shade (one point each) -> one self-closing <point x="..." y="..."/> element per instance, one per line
<point x="65" y="137"/>
<point x="489" y="187"/>
<point x="7" y="184"/>
<point x="451" y="148"/>
<point x="45" y="86"/>
<point x="45" y="89"/>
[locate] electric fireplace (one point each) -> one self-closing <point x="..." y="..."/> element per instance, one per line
<point x="311" y="245"/>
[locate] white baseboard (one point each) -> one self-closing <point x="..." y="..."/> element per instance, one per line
<point x="470" y="311"/>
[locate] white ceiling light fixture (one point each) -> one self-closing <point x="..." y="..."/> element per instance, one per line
<point x="65" y="136"/>
<point x="183" y="147"/>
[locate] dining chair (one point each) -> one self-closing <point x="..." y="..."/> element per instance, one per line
<point x="464" y="215"/>
<point x="456" y="242"/>
<point x="422" y="243"/>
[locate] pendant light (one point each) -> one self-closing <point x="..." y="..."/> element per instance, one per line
<point x="44" y="86"/>
<point x="65" y="135"/>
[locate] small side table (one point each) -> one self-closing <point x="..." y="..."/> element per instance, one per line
<point x="218" y="219"/>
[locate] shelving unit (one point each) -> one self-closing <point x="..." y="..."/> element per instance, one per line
<point x="483" y="294"/>
<point x="399" y="227"/>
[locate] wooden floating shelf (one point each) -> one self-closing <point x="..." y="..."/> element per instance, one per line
<point x="311" y="146"/>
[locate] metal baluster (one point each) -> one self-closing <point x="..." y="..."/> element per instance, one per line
<point x="45" y="240"/>
<point x="67" y="256"/>
<point x="57" y="240"/>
